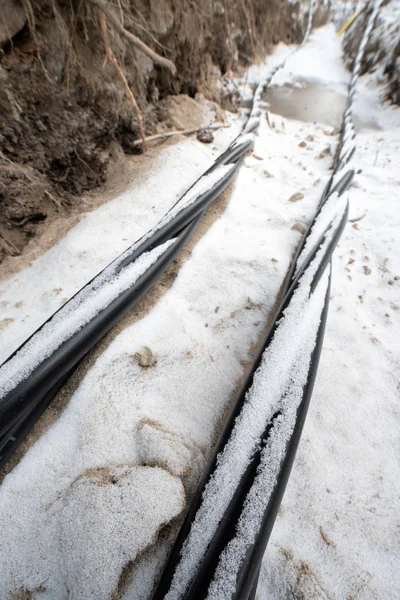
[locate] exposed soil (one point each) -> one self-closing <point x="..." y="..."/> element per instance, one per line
<point x="383" y="48"/>
<point x="181" y="112"/>
<point x="64" y="116"/>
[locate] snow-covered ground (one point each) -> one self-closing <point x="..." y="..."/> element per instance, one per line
<point x="337" y="534"/>
<point x="92" y="495"/>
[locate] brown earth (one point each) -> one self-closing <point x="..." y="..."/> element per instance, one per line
<point x="382" y="51"/>
<point x="64" y="116"/>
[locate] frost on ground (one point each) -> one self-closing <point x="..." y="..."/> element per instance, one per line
<point x="99" y="294"/>
<point x="121" y="461"/>
<point x="337" y="534"/>
<point x="77" y="313"/>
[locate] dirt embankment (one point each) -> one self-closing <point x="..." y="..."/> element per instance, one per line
<point x="64" y="111"/>
<point x="383" y="49"/>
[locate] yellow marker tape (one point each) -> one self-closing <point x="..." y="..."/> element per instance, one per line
<point x="349" y="22"/>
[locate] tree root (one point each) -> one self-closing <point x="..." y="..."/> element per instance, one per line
<point x="110" y="56"/>
<point x="32" y="28"/>
<point x="112" y="17"/>
<point x="9" y="247"/>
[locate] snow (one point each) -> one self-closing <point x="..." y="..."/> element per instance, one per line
<point x="284" y="367"/>
<point x="203" y="185"/>
<point x="126" y="453"/>
<point x="200" y="353"/>
<point x="74" y="315"/>
<point x="223" y="584"/>
<point x="344" y="482"/>
<point x="311" y="64"/>
<point x="29" y="298"/>
<point x="333" y="207"/>
<point x="88" y="563"/>
<point x="335" y="536"/>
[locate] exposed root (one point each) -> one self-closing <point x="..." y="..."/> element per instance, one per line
<point x="110" y="56"/>
<point x="52" y="199"/>
<point x="16" y="166"/>
<point x="151" y="36"/>
<point x="160" y="136"/>
<point x="249" y="25"/>
<point x="112" y="17"/>
<point x="71" y="40"/>
<point x="9" y="247"/>
<point x="32" y="28"/>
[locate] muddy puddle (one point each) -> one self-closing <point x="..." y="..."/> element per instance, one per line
<point x="310" y="101"/>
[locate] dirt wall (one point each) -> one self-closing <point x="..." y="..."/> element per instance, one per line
<point x="64" y="109"/>
<point x="383" y="50"/>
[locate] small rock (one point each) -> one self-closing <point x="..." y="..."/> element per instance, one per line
<point x="267" y="173"/>
<point x="145" y="357"/>
<point x="350" y="261"/>
<point x="302" y="145"/>
<point x="299" y="227"/>
<point x="205" y="136"/>
<point x="274" y="259"/>
<point x="216" y="309"/>
<point x="5" y="322"/>
<point x="325" y="152"/>
<point x="295" y="197"/>
<point x="249" y="304"/>
<point x="40" y="125"/>
<point x="367" y="270"/>
<point x="309" y="138"/>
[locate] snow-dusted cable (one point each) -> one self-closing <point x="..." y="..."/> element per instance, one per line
<point x="221" y="543"/>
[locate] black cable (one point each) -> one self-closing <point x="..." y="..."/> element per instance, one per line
<point x="248" y="571"/>
<point x="19" y="408"/>
<point x="204" y="575"/>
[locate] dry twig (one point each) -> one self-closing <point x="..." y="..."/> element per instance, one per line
<point x="110" y="56"/>
<point x="357" y="218"/>
<point x="160" y="136"/>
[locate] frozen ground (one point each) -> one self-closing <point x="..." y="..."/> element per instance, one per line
<point x="92" y="494"/>
<point x="337" y="535"/>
